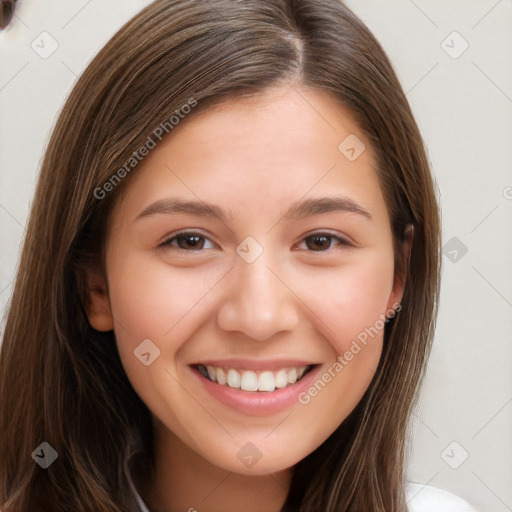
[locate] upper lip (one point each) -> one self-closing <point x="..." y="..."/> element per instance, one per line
<point x="252" y="364"/>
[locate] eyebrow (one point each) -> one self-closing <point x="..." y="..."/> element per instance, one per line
<point x="317" y="206"/>
<point x="171" y="206"/>
<point x="299" y="210"/>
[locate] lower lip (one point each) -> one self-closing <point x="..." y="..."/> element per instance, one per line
<point x="258" y="403"/>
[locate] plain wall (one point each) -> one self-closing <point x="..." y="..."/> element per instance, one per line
<point x="461" y="435"/>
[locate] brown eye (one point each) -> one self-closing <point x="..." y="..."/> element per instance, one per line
<point x="322" y="242"/>
<point x="187" y="241"/>
<point x="318" y="242"/>
<point x="190" y="241"/>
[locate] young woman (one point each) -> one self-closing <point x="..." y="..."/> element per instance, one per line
<point x="229" y="283"/>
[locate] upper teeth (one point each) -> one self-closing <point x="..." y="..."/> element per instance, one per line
<point x="249" y="380"/>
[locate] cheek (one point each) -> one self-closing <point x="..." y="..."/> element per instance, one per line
<point x="350" y="306"/>
<point x="352" y="301"/>
<point x="156" y="302"/>
<point x="152" y="299"/>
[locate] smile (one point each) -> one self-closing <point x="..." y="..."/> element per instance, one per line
<point x="248" y="380"/>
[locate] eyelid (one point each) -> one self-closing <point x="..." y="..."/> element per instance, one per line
<point x="332" y="234"/>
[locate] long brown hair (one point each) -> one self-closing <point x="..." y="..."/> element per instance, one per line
<point x="62" y="382"/>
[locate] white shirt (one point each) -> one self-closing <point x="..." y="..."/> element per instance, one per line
<point x="424" y="498"/>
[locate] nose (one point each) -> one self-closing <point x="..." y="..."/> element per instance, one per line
<point x="258" y="301"/>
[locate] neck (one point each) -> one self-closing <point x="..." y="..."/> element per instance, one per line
<point x="186" y="482"/>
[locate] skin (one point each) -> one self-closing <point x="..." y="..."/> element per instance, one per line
<point x="253" y="157"/>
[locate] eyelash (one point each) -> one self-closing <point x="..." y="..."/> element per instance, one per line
<point x="168" y="242"/>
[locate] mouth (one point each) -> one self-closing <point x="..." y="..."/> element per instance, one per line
<point x="255" y="387"/>
<point x="264" y="381"/>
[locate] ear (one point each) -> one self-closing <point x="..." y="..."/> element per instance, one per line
<point x="97" y="305"/>
<point x="400" y="275"/>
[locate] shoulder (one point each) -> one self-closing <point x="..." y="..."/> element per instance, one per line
<point x="424" y="498"/>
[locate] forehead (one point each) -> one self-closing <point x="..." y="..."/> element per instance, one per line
<point x="271" y="147"/>
<point x="279" y="117"/>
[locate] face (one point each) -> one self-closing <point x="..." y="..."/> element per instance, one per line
<point x="248" y="247"/>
